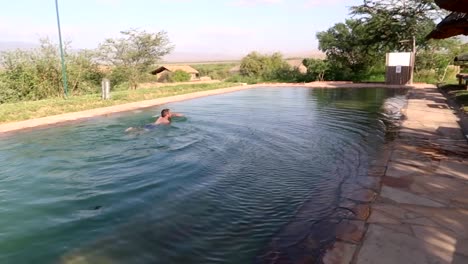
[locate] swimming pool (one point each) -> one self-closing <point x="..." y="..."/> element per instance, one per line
<point x="214" y="187"/>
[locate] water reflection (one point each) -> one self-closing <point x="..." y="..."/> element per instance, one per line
<point x="215" y="188"/>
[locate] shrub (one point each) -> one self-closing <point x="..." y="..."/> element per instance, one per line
<point x="179" y="76"/>
<point x="243" y="79"/>
<point x="36" y="74"/>
<point x="256" y="65"/>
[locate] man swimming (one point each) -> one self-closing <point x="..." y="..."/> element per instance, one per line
<point x="165" y="118"/>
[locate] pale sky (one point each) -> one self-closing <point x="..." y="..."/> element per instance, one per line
<point x="231" y="26"/>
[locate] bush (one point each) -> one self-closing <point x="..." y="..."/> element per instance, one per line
<point x="256" y="65"/>
<point x="216" y="71"/>
<point x="426" y="76"/>
<point x="179" y="76"/>
<point x="37" y="74"/>
<point x="316" y="68"/>
<point x="243" y="79"/>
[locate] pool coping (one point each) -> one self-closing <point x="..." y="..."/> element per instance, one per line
<point x="405" y="214"/>
<point x="31" y="124"/>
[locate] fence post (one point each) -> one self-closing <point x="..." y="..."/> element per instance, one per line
<point x="105" y="89"/>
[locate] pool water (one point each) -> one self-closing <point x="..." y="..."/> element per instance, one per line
<point x="214" y="187"/>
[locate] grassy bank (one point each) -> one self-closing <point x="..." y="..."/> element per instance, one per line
<point x="458" y="93"/>
<point x="35" y="109"/>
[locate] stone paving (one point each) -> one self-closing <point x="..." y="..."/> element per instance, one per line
<point x="421" y="212"/>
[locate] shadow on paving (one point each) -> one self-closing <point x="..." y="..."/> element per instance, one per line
<point x="421" y="214"/>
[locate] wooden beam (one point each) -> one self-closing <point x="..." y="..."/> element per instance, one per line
<point x="453" y="5"/>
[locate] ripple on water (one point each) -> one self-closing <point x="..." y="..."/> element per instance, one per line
<point x="216" y="187"/>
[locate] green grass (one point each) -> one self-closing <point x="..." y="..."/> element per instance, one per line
<point x="462" y="98"/>
<point x="459" y="93"/>
<point x="35" y="109"/>
<point x="217" y="71"/>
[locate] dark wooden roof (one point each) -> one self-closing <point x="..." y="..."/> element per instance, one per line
<point x="453" y="25"/>
<point x="453" y="5"/>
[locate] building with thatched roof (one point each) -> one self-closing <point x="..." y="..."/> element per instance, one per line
<point x="235" y="70"/>
<point x="454" y="24"/>
<point x="298" y="65"/>
<point x="162" y="73"/>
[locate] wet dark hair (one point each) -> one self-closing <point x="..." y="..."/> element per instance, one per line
<point x="164" y="112"/>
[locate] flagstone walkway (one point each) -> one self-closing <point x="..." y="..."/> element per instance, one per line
<point x="421" y="213"/>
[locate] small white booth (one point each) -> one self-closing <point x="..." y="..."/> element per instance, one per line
<point x="399" y="68"/>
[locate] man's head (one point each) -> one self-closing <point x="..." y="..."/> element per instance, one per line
<point x="166" y="113"/>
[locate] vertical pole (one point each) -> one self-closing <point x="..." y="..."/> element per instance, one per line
<point x="413" y="60"/>
<point x="105" y="89"/>
<point x="64" y="70"/>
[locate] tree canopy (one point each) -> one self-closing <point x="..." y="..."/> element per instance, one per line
<point x="356" y="48"/>
<point x="388" y="22"/>
<point x="133" y="53"/>
<point x="263" y="66"/>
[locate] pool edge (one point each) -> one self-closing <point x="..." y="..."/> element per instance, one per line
<point x="37" y="123"/>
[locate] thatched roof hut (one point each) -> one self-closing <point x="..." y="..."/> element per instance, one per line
<point x="165" y="71"/>
<point x="235" y="70"/>
<point x="453" y="25"/>
<point x="298" y="65"/>
<point x="173" y="68"/>
<point x="456" y="23"/>
<point x="453" y="5"/>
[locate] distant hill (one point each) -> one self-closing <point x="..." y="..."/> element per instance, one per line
<point x="199" y="57"/>
<point x="181" y="56"/>
<point x="13" y="45"/>
<point x="191" y="57"/>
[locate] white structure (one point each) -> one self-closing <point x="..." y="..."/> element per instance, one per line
<point x="399" y="68"/>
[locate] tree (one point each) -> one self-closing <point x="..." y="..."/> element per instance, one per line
<point x="316" y="68"/>
<point x="133" y="53"/>
<point x="36" y="74"/>
<point x="345" y="45"/>
<point x="356" y="48"/>
<point x="438" y="56"/>
<point x="266" y="67"/>
<point x="388" y="22"/>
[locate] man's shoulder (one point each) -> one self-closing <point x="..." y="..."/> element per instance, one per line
<point x="162" y="121"/>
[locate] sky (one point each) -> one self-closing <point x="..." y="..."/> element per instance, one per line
<point x="215" y="26"/>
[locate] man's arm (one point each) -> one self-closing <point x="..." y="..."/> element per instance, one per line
<point x="177" y="115"/>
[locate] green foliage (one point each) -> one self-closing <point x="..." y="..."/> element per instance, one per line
<point x="316" y="68"/>
<point x="264" y="67"/>
<point x="433" y="61"/>
<point x="179" y="76"/>
<point x="348" y="55"/>
<point x="133" y="54"/>
<point x="356" y="48"/>
<point x="243" y="79"/>
<point x="461" y="97"/>
<point x="216" y="71"/>
<point x="36" y="74"/>
<point x="389" y="22"/>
